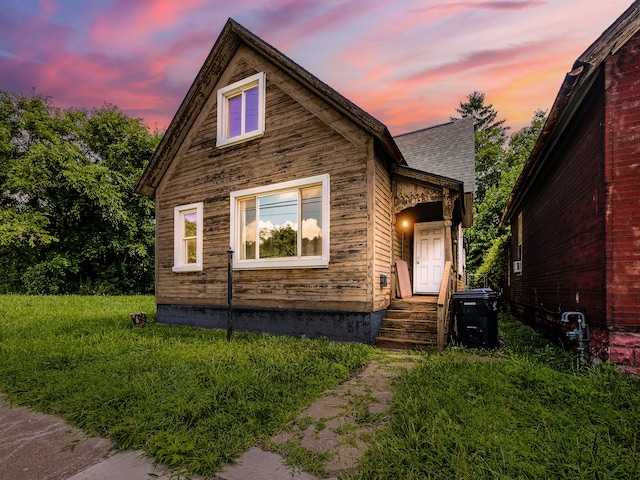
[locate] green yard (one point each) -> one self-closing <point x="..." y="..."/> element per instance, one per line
<point x="523" y="413"/>
<point x="182" y="394"/>
<point x="188" y="397"/>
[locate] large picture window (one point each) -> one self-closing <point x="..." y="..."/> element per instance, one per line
<point x="241" y="110"/>
<point x="187" y="233"/>
<point x="282" y="226"/>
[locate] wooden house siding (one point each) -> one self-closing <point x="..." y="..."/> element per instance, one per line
<point x="297" y="144"/>
<point x="309" y="131"/>
<point x="382" y="208"/>
<point x="563" y="230"/>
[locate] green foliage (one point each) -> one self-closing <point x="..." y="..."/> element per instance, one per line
<point x="495" y="260"/>
<point x="522" y="413"/>
<point x="490" y="139"/>
<point x="182" y="394"/>
<point x="69" y="219"/>
<point x="521" y="340"/>
<point x="488" y="210"/>
<point x="278" y="242"/>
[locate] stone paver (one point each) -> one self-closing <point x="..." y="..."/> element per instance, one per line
<point x="336" y="430"/>
<point x="35" y="445"/>
<point x="38" y="446"/>
<point x="339" y="426"/>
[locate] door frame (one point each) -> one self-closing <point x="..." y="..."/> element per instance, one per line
<point x="416" y="243"/>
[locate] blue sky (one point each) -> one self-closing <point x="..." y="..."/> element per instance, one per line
<point x="408" y="63"/>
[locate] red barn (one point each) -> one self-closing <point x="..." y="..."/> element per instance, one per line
<point x="575" y="210"/>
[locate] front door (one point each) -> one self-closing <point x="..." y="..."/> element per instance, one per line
<point x="428" y="257"/>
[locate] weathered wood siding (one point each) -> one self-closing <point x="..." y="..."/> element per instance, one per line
<point x="382" y="215"/>
<point x="297" y="144"/>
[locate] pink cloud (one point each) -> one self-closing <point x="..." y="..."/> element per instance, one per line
<point x="482" y="5"/>
<point x="126" y="24"/>
<point x="407" y="66"/>
<point x="288" y="22"/>
<point x="515" y="80"/>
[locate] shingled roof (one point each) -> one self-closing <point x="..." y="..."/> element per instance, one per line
<point x="447" y="150"/>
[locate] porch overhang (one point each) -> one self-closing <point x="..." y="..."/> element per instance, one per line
<point x="412" y="187"/>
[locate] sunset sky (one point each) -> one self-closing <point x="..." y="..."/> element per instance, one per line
<point x="408" y="63"/>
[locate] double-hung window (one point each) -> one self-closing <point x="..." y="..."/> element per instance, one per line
<point x="282" y="226"/>
<point x="241" y="110"/>
<point x="187" y="233"/>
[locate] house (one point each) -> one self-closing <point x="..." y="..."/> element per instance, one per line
<point x="575" y="210"/>
<point x="448" y="151"/>
<point x="306" y="190"/>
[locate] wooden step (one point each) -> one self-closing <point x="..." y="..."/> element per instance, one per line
<point x="410" y="325"/>
<point x="428" y="304"/>
<point x="412" y="314"/>
<point x="395" y="344"/>
<point x="401" y="335"/>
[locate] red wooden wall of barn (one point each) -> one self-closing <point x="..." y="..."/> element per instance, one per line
<point x="622" y="176"/>
<point x="563" y="241"/>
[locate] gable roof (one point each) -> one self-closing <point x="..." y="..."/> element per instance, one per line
<point x="232" y="36"/>
<point x="574" y="89"/>
<point x="446" y="150"/>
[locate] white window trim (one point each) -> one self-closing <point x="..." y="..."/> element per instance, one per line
<point x="178" y="244"/>
<point x="288" y="262"/>
<point x="224" y="94"/>
<point x="517" y="265"/>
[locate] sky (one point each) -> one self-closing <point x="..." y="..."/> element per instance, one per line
<point x="409" y="63"/>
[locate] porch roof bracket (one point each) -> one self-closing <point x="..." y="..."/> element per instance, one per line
<point x="448" y="202"/>
<point x="407" y="195"/>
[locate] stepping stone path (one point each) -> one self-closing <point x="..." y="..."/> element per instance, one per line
<point x="332" y="434"/>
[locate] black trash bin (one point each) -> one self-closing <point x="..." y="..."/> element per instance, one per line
<point x="476" y="317"/>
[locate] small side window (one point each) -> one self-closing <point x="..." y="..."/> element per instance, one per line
<point x="517" y="264"/>
<point x="520" y="236"/>
<point x="187" y="255"/>
<point x="241" y="110"/>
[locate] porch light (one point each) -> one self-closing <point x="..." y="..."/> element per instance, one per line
<point x="405" y="224"/>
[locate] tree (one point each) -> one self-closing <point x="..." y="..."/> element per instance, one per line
<point x="70" y="220"/>
<point x="484" y="116"/>
<point x="488" y="250"/>
<point x="490" y="140"/>
<point x="278" y="242"/>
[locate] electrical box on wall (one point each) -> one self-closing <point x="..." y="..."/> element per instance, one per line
<point x="383" y="281"/>
<point x="517" y="266"/>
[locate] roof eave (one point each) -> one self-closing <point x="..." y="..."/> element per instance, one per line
<point x="421" y="176"/>
<point x="575" y="87"/>
<point x="232" y="35"/>
<point x="189" y="109"/>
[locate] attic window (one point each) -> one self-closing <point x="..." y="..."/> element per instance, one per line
<point x="241" y="110"/>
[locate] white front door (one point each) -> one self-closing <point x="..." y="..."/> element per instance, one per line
<point x="428" y="258"/>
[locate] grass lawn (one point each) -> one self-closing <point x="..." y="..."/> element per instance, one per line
<point x="182" y="394"/>
<point x="196" y="402"/>
<point x="525" y="412"/>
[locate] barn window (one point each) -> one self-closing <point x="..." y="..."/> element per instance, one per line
<point x="241" y="110"/>
<point x="187" y="245"/>
<point x="520" y="236"/>
<point x="282" y="226"/>
<point x="517" y="264"/>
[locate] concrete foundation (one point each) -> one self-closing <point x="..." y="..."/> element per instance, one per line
<point x="359" y="327"/>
